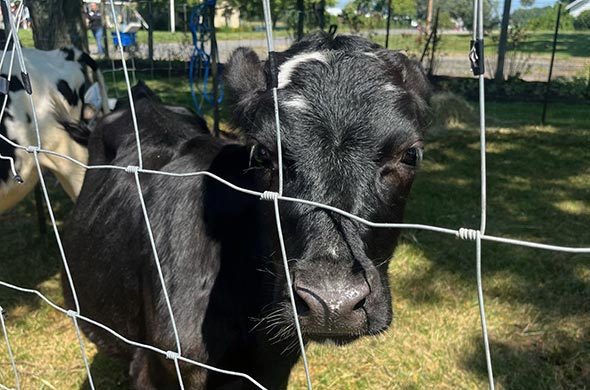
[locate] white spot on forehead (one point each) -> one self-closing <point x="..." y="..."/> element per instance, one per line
<point x="289" y="66"/>
<point x="389" y="87"/>
<point x="370" y="54"/>
<point x="297" y="103"/>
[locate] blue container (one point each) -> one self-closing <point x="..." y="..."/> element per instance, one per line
<point x="127" y="39"/>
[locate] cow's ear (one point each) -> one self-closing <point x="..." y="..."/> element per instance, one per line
<point x="224" y="207"/>
<point x="244" y="78"/>
<point x="409" y="75"/>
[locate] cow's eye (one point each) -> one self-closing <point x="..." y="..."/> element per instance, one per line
<point x="260" y="157"/>
<point x="412" y="157"/>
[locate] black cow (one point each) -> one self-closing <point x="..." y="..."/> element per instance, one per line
<point x="352" y="122"/>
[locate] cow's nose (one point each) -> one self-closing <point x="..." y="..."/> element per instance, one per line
<point x="331" y="311"/>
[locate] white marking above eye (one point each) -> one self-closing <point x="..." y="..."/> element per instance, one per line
<point x="297" y="103"/>
<point x="288" y="67"/>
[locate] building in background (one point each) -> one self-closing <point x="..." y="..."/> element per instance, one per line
<point x="577" y="7"/>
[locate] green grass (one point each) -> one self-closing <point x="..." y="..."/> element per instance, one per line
<point x="538" y="302"/>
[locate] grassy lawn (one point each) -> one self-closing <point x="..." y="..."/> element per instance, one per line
<point x="538" y="302"/>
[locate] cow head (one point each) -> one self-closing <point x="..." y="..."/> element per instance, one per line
<point x="352" y="123"/>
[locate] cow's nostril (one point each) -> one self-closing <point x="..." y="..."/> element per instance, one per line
<point x="360" y="304"/>
<point x="300" y="304"/>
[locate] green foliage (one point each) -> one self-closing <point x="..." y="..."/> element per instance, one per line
<point x="445" y="21"/>
<point x="462" y="9"/>
<point x="582" y="22"/>
<point x="401" y="7"/>
<point x="367" y="14"/>
<point x="281" y="9"/>
<point x="523" y="16"/>
<point x="547" y="20"/>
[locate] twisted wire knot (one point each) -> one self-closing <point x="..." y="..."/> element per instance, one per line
<point x="467" y="234"/>
<point x="132" y="169"/>
<point x="71" y="313"/>
<point x="171" y="355"/>
<point x="32" y="149"/>
<point x="269" y="195"/>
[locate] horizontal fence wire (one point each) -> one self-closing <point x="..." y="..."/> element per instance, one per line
<point x="276" y="197"/>
<point x="167" y="354"/>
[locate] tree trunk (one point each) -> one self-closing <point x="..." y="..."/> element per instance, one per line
<point x="499" y="76"/>
<point x="57" y="23"/>
<point x="300" y="18"/>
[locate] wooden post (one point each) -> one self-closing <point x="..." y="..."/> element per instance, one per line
<point x="388" y="24"/>
<point x="300" y="18"/>
<point x="105" y="32"/>
<point x="429" y="17"/>
<point x="151" y="37"/>
<point x="434" y="40"/>
<point x="499" y="76"/>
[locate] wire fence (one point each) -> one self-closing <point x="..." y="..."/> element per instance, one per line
<point x="477" y="235"/>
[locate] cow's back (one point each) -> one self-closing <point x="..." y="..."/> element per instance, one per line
<point x="109" y="208"/>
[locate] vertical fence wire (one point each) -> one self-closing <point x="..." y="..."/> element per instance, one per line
<point x="291" y="292"/>
<point x="25" y="76"/>
<point x="35" y="151"/>
<point x="478" y="35"/>
<point x="135" y="172"/>
<point x="10" y="355"/>
<point x="81" y="343"/>
<point x="5" y="100"/>
<point x="482" y="314"/>
<point x="274" y="82"/>
<point x="128" y="83"/>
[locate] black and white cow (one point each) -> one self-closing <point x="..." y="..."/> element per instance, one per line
<point x="353" y="116"/>
<point x="59" y="82"/>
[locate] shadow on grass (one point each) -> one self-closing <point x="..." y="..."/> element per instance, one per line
<point x="107" y="373"/>
<point x="534" y="364"/>
<point x="573" y="44"/>
<point x="532" y="177"/>
<point x="28" y="258"/>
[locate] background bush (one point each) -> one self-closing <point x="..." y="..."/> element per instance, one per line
<point x="582" y="22"/>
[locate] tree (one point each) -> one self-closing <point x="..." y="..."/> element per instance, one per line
<point x="461" y="9"/>
<point x="499" y="76"/>
<point x="522" y="17"/>
<point x="57" y="23"/>
<point x="399" y="7"/>
<point x="546" y="21"/>
<point x="582" y="22"/>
